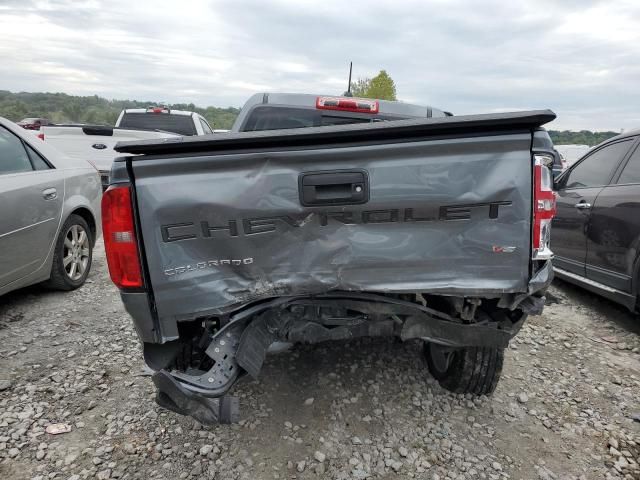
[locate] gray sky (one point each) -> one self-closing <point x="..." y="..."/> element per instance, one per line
<point x="580" y="58"/>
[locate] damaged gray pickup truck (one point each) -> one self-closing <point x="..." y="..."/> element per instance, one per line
<point x="433" y="228"/>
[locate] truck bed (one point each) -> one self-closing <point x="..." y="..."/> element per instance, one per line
<point x="445" y="208"/>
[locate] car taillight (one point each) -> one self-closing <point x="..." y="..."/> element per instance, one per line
<point x="120" y="239"/>
<point x="40" y="136"/>
<point x="348" y="104"/>
<point x="544" y="208"/>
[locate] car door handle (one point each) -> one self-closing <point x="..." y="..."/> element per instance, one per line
<point x="583" y="206"/>
<point x="50" y="194"/>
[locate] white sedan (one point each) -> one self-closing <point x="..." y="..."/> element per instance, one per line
<point x="49" y="213"/>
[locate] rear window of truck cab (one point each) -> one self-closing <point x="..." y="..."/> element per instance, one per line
<point x="280" y="118"/>
<point x="180" y="124"/>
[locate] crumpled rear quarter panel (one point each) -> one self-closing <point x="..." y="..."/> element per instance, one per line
<point x="475" y="256"/>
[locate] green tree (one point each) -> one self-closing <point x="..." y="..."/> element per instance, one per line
<point x="583" y="137"/>
<point x="63" y="108"/>
<point x="381" y="86"/>
<point x="73" y="111"/>
<point x="360" y="87"/>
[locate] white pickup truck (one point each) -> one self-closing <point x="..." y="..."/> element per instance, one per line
<point x="95" y="143"/>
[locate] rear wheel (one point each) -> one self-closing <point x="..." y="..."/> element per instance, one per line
<point x="72" y="256"/>
<point x="474" y="370"/>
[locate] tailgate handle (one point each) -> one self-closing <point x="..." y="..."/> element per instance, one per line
<point x="334" y="188"/>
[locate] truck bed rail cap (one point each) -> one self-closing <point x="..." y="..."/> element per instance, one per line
<point x="378" y="131"/>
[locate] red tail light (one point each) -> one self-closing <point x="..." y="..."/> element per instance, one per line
<point x="348" y="104"/>
<point x="544" y="209"/>
<point x="41" y="136"/>
<point x="120" y="239"/>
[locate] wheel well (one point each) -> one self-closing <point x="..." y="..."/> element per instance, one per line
<point x="88" y="217"/>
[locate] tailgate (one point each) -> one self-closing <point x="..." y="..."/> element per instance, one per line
<point x="94" y="143"/>
<point x="97" y="149"/>
<point x="448" y="215"/>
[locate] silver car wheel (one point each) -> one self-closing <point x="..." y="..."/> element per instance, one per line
<point x="76" y="252"/>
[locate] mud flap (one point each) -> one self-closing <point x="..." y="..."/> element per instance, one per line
<point x="208" y="411"/>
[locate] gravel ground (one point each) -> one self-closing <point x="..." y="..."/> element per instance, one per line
<point x="365" y="409"/>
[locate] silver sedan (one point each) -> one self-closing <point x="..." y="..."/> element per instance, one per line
<point x="49" y="213"/>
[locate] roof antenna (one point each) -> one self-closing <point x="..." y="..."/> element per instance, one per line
<point x="348" y="92"/>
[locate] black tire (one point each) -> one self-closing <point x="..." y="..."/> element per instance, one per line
<point x="61" y="277"/>
<point x="474" y="370"/>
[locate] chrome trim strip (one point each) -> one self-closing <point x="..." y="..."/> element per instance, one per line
<point x="28" y="226"/>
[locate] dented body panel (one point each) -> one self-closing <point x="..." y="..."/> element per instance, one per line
<point x="226" y="230"/>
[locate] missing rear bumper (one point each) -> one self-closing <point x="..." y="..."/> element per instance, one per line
<point x="221" y="355"/>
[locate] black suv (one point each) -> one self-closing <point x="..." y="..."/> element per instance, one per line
<point x="596" y="231"/>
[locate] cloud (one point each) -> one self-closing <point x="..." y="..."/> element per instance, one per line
<point x="579" y="58"/>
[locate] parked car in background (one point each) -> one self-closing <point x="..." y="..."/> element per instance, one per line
<point x="596" y="230"/>
<point x="278" y="111"/>
<point x="49" y="213"/>
<point x="33" y="123"/>
<point x="95" y="142"/>
<point x="563" y="160"/>
<point x="557" y="167"/>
